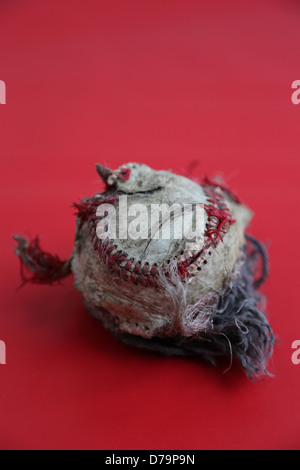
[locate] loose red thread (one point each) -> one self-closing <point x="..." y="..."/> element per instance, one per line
<point x="219" y="217"/>
<point x="87" y="208"/>
<point x="45" y="268"/>
<point x="207" y="181"/>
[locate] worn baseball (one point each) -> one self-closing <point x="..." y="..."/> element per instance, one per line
<point x="158" y="287"/>
<point x="164" y="262"/>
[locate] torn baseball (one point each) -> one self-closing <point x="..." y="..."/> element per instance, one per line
<point x="163" y="261"/>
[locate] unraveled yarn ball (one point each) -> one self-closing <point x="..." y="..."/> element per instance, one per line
<point x="175" y="294"/>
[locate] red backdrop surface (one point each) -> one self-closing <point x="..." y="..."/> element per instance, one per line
<point x="164" y="83"/>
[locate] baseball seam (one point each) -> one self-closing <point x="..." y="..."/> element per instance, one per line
<point x="129" y="269"/>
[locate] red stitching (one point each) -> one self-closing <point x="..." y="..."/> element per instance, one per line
<point x="153" y="270"/>
<point x="145" y="269"/>
<point x="137" y="267"/>
<point x="218" y="221"/>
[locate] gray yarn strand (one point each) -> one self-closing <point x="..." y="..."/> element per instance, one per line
<point x="240" y="328"/>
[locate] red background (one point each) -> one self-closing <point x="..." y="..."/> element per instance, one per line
<point x="164" y="83"/>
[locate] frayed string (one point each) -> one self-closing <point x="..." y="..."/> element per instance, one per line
<point x="217" y="182"/>
<point x="258" y="253"/>
<point x="230" y="355"/>
<point x="38" y="266"/>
